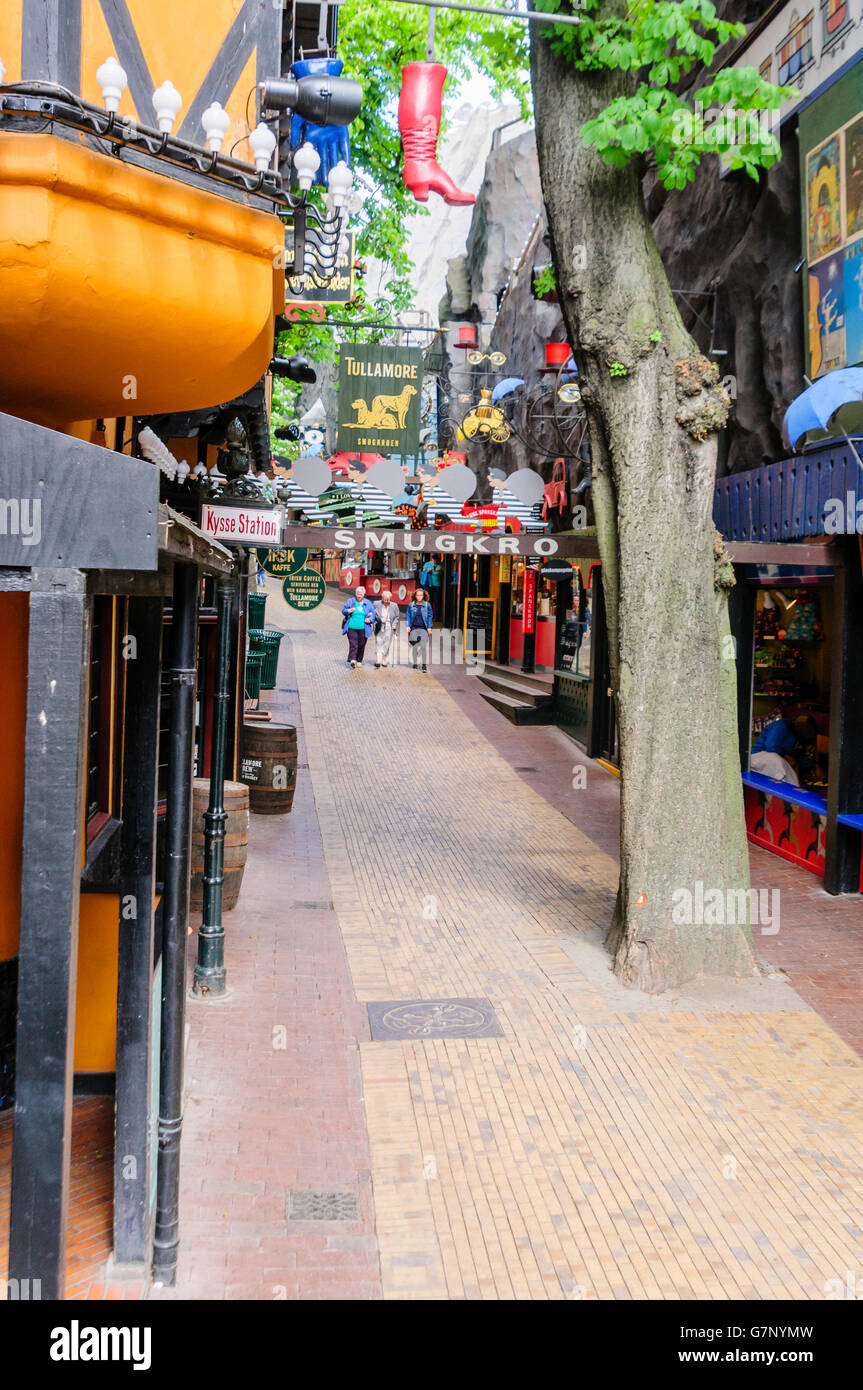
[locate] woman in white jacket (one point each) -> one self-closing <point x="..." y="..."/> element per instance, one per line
<point x="386" y="626"/>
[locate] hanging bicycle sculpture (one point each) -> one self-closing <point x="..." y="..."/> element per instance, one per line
<point x="486" y="421"/>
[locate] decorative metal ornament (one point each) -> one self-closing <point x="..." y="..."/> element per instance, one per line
<point x="486" y="421"/>
<point x="234" y="462"/>
<point x="496" y="359"/>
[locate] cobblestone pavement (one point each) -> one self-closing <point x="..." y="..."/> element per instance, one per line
<point x="606" y="1145"/>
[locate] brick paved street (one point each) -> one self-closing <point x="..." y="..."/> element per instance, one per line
<point x="606" y="1146"/>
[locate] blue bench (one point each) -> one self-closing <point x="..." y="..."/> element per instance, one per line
<point x="797" y="796"/>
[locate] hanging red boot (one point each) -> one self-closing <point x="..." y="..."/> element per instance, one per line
<point x="419" y="123"/>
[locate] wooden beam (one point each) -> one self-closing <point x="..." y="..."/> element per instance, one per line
<point x="68" y="504"/>
<point x="180" y="540"/>
<point x="134" y="1160"/>
<point x="58" y="662"/>
<point x="741" y="617"/>
<point x="845" y="780"/>
<point x="805" y="554"/>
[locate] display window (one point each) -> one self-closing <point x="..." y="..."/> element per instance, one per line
<point x="576" y="637"/>
<point x="791" y="689"/>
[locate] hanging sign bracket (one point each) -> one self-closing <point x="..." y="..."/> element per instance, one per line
<point x="523" y="16"/>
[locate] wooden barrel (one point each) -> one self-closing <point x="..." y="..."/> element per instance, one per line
<point x="269" y="767"/>
<point x="236" y="843"/>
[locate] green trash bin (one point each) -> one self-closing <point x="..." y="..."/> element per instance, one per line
<point x="254" y="668"/>
<point x="257" y="639"/>
<point x="257" y="611"/>
<point x="271" y="641"/>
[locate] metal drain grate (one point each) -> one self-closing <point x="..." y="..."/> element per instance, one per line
<point x="527" y="769"/>
<point x="316" y="905"/>
<point x="433" y="1018"/>
<point x="322" y="1206"/>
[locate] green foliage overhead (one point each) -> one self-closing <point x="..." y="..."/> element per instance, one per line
<point x="658" y="42"/>
<point x="376" y="39"/>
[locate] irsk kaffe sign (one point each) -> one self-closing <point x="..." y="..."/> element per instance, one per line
<point x="379" y="399"/>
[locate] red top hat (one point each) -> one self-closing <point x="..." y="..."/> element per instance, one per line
<point x="466" y="336"/>
<point x="556" y="356"/>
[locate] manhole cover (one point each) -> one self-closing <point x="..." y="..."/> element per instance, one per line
<point x="433" y="1018"/>
<point x="322" y="1206"/>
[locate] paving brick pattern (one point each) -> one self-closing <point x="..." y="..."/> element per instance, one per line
<point x="593" y="1151"/>
<point x="820" y="943"/>
<point x="90" y="1201"/>
<point x="273" y="1087"/>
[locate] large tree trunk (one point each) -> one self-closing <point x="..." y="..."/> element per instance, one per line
<point x="653" y="458"/>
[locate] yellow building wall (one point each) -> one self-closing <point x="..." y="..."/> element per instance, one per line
<point x="14" y="625"/>
<point x="164" y="29"/>
<point x="96" y="1003"/>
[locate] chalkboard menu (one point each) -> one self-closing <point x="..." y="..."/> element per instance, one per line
<point x="569" y="645"/>
<point x="479" y="618"/>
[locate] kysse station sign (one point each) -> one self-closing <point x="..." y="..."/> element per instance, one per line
<point x="242" y="525"/>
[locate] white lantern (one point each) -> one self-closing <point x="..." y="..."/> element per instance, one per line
<point x="167" y="102"/>
<point x="216" y="123"/>
<point x="340" y="183"/>
<point x="112" y="83"/>
<point x="262" y="142"/>
<point x="307" y="162"/>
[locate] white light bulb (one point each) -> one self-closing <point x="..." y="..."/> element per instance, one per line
<point x="262" y="142"/>
<point x="216" y="123"/>
<point x="167" y="102"/>
<point x="340" y="183"/>
<point x="307" y="162"/>
<point x="112" y="83"/>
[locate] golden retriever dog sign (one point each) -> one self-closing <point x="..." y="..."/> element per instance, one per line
<point x="379" y="399"/>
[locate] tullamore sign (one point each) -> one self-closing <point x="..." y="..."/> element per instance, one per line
<point x="379" y="399"/>
<point x="304" y="589"/>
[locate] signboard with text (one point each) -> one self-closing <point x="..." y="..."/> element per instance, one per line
<point x="304" y="589"/>
<point x="279" y="562"/>
<point x="480" y="619"/>
<point x="242" y="525"/>
<point x="354" y="540"/>
<point x="311" y="288"/>
<point x="529" y="610"/>
<point x="379" y="399"/>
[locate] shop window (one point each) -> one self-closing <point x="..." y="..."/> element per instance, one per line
<point x="792" y="679"/>
<point x="576" y="637"/>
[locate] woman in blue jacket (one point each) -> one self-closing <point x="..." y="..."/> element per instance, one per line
<point x="419" y="620"/>
<point x="359" y="624"/>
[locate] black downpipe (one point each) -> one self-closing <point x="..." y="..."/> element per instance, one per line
<point x="210" y="978"/>
<point x="175" y="905"/>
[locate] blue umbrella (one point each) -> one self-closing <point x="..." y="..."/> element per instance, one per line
<point x="506" y="387"/>
<point x="815" y="407"/>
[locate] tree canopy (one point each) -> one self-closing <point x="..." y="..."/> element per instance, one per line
<point x="657" y="42"/>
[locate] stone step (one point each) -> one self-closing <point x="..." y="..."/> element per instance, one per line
<point x="516" y="688"/>
<point x="516" y="711"/>
<point x="540" y="680"/>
